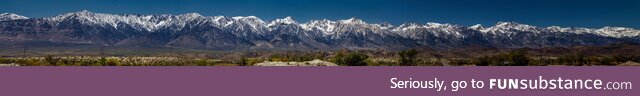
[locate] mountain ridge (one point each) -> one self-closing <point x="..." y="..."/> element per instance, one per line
<point x="192" y="30"/>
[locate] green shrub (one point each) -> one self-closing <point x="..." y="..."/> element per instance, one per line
<point x="351" y="59"/>
<point x="408" y="57"/>
<point x="243" y="62"/>
<point x="112" y="62"/>
<point x="52" y="61"/>
<point x="518" y="58"/>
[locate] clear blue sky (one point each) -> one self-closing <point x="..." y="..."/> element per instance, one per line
<point x="579" y="13"/>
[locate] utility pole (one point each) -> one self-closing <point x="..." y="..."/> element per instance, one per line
<point x="171" y="51"/>
<point x="24" y="52"/>
<point x="101" y="50"/>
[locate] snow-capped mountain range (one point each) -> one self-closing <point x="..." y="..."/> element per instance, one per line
<point x="193" y="30"/>
<point x="11" y="16"/>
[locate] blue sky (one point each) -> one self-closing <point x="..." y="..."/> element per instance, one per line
<point x="578" y="13"/>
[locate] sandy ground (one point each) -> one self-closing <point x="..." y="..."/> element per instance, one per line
<point x="629" y="63"/>
<point x="12" y="64"/>
<point x="306" y="63"/>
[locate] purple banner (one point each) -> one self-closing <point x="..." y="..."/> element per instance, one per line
<point x="300" y="81"/>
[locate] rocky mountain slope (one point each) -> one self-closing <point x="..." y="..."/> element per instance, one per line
<point x="193" y="30"/>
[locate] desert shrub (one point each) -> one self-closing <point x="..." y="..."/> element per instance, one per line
<point x="99" y="62"/>
<point x="482" y="61"/>
<point x="408" y="57"/>
<point x="52" y="61"/>
<point x="293" y="57"/>
<point x="6" y="61"/>
<point x="253" y="61"/>
<point x="518" y="58"/>
<point x="204" y="62"/>
<point x="513" y="58"/>
<point x="381" y="62"/>
<point x="351" y="59"/>
<point x="320" y="55"/>
<point x="31" y="62"/>
<point x="243" y="61"/>
<point x="301" y="58"/>
<point x="278" y="57"/>
<point x="112" y="62"/>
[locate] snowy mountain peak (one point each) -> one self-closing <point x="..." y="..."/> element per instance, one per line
<point x="617" y="28"/>
<point x="192" y="15"/>
<point x="138" y="22"/>
<point x="558" y="29"/>
<point x="509" y="24"/>
<point x="79" y="12"/>
<point x="408" y="26"/>
<point x="245" y="18"/>
<point x="476" y="27"/>
<point x="218" y="18"/>
<point x="252" y="21"/>
<point x="618" y="32"/>
<point x="439" y="25"/>
<point x="85" y="13"/>
<point x="434" y="24"/>
<point x="386" y="25"/>
<point x="514" y="25"/>
<point x="189" y="16"/>
<point x="249" y="19"/>
<point x="509" y="27"/>
<point x="326" y="26"/>
<point x="11" y="16"/>
<point x="74" y="15"/>
<point x="353" y="20"/>
<point x="287" y="20"/>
